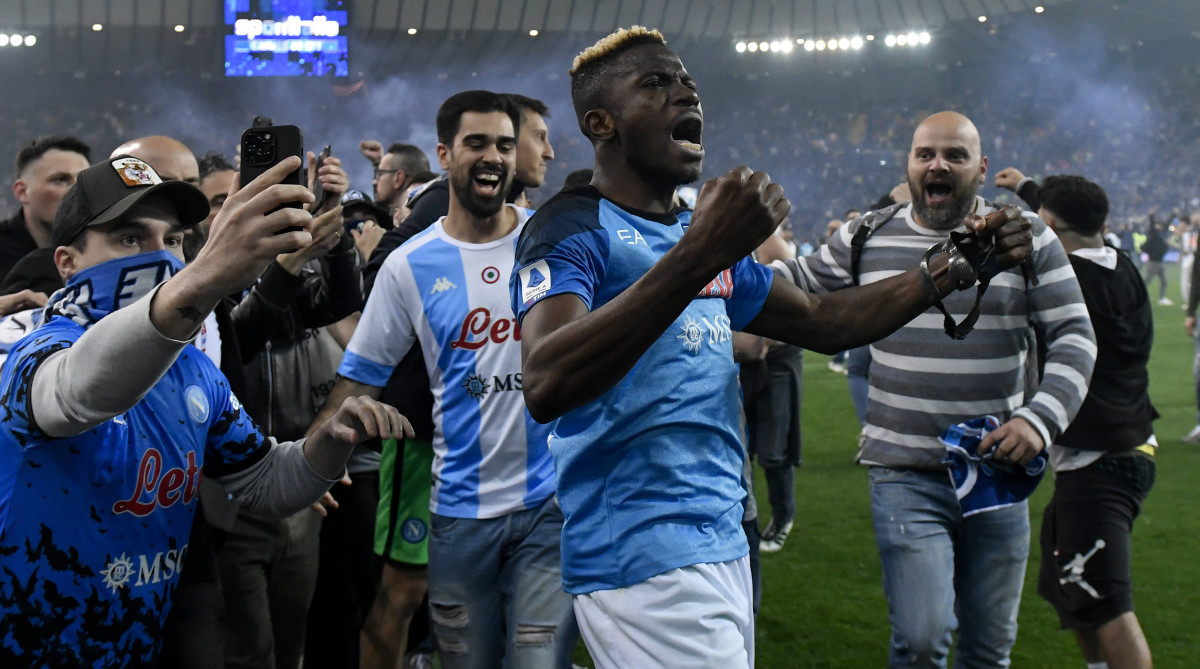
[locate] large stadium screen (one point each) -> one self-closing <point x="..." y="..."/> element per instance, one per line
<point x="286" y="38"/>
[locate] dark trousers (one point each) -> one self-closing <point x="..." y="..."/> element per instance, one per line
<point x="347" y="577"/>
<point x="772" y="390"/>
<point x="268" y="571"/>
<point x="194" y="634"/>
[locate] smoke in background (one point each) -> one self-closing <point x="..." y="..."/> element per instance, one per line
<point x="1047" y="98"/>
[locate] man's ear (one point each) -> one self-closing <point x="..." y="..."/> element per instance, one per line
<point x="67" y="261"/>
<point x="443" y="154"/>
<point x="400" y="180"/>
<point x="20" y="190"/>
<point x="600" y="124"/>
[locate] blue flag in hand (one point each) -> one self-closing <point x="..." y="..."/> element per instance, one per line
<point x="982" y="483"/>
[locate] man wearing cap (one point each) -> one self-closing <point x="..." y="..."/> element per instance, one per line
<point x="365" y="220"/>
<point x="110" y="415"/>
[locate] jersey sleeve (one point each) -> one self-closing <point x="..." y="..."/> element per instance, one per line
<point x="385" y="333"/>
<point x="557" y="253"/>
<point x="234" y="441"/>
<point x="751" y="283"/>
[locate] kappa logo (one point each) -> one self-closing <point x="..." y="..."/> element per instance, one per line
<point x="535" y="281"/>
<point x="135" y="172"/>
<point x="442" y="285"/>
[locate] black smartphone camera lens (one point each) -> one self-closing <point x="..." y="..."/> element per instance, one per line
<point x="259" y="148"/>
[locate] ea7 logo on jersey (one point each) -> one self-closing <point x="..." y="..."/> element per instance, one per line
<point x="535" y="282"/>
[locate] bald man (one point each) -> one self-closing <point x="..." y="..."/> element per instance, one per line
<point x="949" y="566"/>
<point x="169" y="156"/>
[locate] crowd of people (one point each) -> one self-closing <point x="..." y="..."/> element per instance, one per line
<point x="462" y="415"/>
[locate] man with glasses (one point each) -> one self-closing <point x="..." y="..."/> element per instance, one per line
<point x="396" y="172"/>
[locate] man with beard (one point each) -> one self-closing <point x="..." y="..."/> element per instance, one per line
<point x="429" y="203"/>
<point x="493" y="553"/>
<point x="946" y="569"/>
<point x="627" y="307"/>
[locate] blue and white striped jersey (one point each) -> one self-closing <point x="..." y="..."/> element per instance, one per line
<point x="451" y="298"/>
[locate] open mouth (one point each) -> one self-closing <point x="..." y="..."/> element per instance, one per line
<point x="689" y="134"/>
<point x="487" y="183"/>
<point x="937" y="193"/>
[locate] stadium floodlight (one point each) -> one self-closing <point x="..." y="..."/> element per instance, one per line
<point x="763" y="46"/>
<point x="16" y="40"/>
<point x="982" y="19"/>
<point x="533" y="32"/>
<point x="832" y="45"/>
<point x="179" y="28"/>
<point x="912" y="38"/>
<point x="3" y="39"/>
<point x="1039" y="9"/>
<point x="856" y="42"/>
<point x="740" y="47"/>
<point x="843" y="43"/>
<point x="97" y="27"/>
<point x="870" y="38"/>
<point x="809" y="46"/>
<point x="799" y="40"/>
<point x="752" y="47"/>
<point x="901" y="40"/>
<point x="775" y="46"/>
<point x="890" y="40"/>
<point x="412" y="31"/>
<point x="30" y="40"/>
<point x="820" y="45"/>
<point x="924" y="37"/>
<point x="786" y="46"/>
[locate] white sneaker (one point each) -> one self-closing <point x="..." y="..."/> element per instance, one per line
<point x="837" y="367"/>
<point x="1165" y="301"/>
<point x="1192" y="437"/>
<point x="418" y="661"/>
<point x="773" y="538"/>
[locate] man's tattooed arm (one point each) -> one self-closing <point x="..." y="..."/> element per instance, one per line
<point x="190" y="313"/>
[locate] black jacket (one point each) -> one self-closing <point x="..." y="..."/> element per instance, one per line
<point x="288" y="360"/>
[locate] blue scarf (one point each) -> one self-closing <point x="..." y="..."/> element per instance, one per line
<point x="980" y="482"/>
<point x="101" y="289"/>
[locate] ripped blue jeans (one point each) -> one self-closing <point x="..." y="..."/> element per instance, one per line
<point x="945" y="574"/>
<point x="495" y="591"/>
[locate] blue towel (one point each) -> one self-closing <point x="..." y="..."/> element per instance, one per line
<point x="981" y="483"/>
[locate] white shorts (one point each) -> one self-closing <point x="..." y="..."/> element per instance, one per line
<point x="697" y="616"/>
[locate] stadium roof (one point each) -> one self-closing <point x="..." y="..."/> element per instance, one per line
<point x="693" y="18"/>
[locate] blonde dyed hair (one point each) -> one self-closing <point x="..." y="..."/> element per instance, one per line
<point x="614" y="43"/>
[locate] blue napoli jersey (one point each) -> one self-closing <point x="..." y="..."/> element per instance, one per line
<point x="451" y="298"/>
<point x="93" y="527"/>
<point x="649" y="474"/>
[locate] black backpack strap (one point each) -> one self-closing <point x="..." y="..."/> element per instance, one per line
<point x="871" y="222"/>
